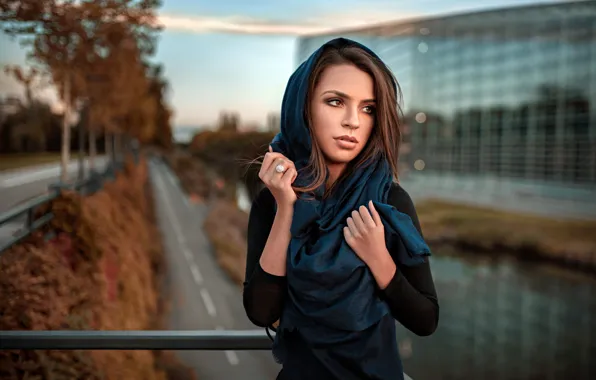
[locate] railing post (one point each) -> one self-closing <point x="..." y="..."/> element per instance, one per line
<point x="29" y="219"/>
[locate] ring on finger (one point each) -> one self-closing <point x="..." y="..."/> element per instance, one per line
<point x="280" y="168"/>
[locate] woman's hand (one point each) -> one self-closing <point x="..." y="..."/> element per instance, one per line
<point x="365" y="234"/>
<point x="279" y="183"/>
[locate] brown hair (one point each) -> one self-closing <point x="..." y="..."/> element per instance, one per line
<point x="385" y="138"/>
<point x="386" y="135"/>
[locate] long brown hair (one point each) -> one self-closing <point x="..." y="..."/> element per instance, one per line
<point x="385" y="138"/>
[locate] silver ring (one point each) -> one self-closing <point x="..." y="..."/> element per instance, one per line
<point x="280" y="168"/>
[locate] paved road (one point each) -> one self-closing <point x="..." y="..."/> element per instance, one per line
<point x="17" y="186"/>
<point x="202" y="295"/>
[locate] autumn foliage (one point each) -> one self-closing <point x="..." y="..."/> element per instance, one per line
<point x="102" y="271"/>
<point x="97" y="55"/>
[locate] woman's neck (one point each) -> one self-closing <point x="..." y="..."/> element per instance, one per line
<point x="335" y="171"/>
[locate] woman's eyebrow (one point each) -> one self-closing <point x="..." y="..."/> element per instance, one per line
<point x="346" y="96"/>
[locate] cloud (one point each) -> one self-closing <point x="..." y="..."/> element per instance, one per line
<point x="245" y="25"/>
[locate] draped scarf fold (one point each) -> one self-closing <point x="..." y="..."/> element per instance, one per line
<point x="332" y="296"/>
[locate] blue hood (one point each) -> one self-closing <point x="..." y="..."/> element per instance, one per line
<point x="331" y="293"/>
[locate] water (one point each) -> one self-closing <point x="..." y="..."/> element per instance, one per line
<point x="502" y="319"/>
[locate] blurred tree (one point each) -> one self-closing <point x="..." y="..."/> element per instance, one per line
<point x="26" y="78"/>
<point x="96" y="53"/>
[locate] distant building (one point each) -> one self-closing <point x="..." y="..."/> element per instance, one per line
<point x="500" y="105"/>
<point x="229" y="121"/>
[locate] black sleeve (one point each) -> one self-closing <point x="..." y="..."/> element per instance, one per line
<point x="264" y="293"/>
<point x="411" y="294"/>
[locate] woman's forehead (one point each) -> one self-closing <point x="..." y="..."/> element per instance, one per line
<point x="347" y="80"/>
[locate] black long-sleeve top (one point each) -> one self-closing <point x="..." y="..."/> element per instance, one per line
<point x="411" y="294"/>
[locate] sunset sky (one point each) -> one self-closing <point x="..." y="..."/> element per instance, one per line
<point x="237" y="54"/>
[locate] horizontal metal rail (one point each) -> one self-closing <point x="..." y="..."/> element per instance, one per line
<point x="135" y="340"/>
<point x="25" y="207"/>
<point x="28" y="208"/>
<point x="32" y="224"/>
<point x="178" y="340"/>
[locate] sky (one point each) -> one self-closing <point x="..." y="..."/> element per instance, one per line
<point x="237" y="55"/>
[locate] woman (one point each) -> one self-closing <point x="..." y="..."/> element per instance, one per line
<point x="335" y="251"/>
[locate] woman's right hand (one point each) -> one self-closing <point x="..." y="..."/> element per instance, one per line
<point x="280" y="184"/>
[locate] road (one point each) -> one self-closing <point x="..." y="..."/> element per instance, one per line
<point x="17" y="186"/>
<point x="203" y="297"/>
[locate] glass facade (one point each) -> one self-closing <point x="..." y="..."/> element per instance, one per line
<point x="509" y="94"/>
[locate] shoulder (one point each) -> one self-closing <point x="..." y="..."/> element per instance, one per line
<point x="397" y="194"/>
<point x="400" y="199"/>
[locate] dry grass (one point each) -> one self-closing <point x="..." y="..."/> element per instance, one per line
<point x="226" y="228"/>
<point x="474" y="229"/>
<point x="499" y="231"/>
<point x="193" y="176"/>
<point x="103" y="272"/>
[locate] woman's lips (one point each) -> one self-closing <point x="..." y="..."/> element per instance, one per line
<point x="348" y="138"/>
<point x="346" y="142"/>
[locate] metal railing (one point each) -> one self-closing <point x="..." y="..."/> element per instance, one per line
<point x="207" y="340"/>
<point x="135" y="340"/>
<point x="28" y="209"/>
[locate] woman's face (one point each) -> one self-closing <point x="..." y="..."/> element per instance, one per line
<point x="342" y="112"/>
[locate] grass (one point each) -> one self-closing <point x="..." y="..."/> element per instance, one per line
<point x="13" y="161"/>
<point x="468" y="228"/>
<point x="527" y="236"/>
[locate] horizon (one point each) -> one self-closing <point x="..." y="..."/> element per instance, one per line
<point x="233" y="39"/>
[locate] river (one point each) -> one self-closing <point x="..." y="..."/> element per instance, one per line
<point x="503" y="319"/>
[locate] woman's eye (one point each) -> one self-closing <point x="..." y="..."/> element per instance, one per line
<point x="369" y="109"/>
<point x="333" y="102"/>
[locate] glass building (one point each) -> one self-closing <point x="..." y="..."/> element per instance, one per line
<point x="501" y="100"/>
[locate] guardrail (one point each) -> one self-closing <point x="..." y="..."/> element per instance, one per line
<point x="33" y="223"/>
<point x="135" y="340"/>
<point x="209" y="340"/>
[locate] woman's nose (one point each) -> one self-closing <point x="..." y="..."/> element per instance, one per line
<point x="351" y="119"/>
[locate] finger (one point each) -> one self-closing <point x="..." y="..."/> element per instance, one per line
<point x="268" y="160"/>
<point x="289" y="175"/>
<point x="273" y="174"/>
<point x="366" y="217"/>
<point x="270" y="149"/>
<point x="348" y="235"/>
<point x="287" y="164"/>
<point x="353" y="228"/>
<point x="375" y="215"/>
<point x="358" y="221"/>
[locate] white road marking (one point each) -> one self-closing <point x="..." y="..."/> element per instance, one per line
<point x="230" y="355"/>
<point x="208" y="302"/>
<point x="25" y="178"/>
<point x="22" y="177"/>
<point x="170" y="209"/>
<point x="187" y="254"/>
<point x="173" y="181"/>
<point x="196" y="274"/>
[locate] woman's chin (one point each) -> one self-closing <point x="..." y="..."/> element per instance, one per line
<point x="341" y="157"/>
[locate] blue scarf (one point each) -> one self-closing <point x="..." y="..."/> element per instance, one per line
<point x="332" y="295"/>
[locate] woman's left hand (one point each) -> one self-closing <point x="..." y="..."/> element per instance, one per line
<point x="365" y="234"/>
